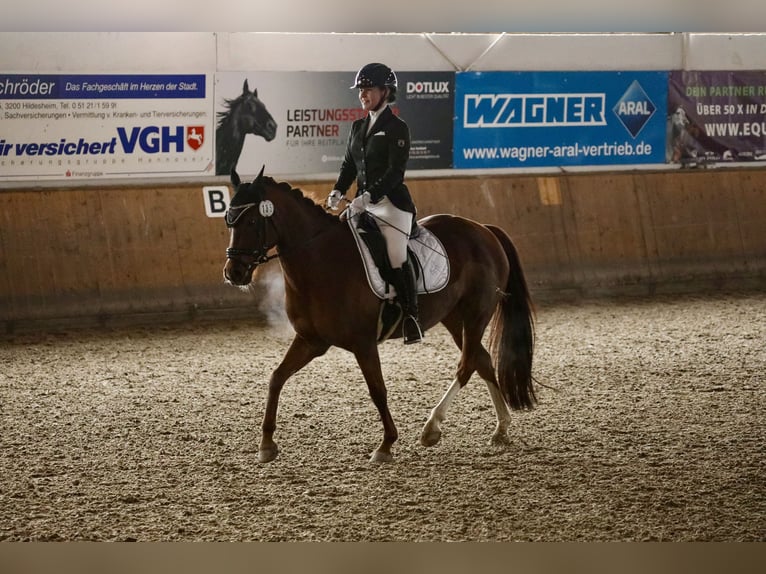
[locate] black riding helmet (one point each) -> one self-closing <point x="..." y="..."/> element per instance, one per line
<point x="376" y="75"/>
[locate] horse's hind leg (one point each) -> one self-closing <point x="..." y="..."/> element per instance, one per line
<point x="432" y="432"/>
<point x="482" y="363"/>
<point x="487" y="372"/>
<point x="474" y="358"/>
<point x="298" y="355"/>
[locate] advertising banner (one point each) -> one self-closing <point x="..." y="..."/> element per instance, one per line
<point x="550" y="119"/>
<point x="298" y="122"/>
<point x="716" y="116"/>
<point x="80" y="126"/>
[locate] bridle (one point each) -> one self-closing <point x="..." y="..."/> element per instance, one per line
<point x="259" y="255"/>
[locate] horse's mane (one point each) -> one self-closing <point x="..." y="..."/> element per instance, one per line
<point x="298" y="194"/>
<point x="228" y="103"/>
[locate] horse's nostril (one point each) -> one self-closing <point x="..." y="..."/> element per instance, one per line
<point x="236" y="274"/>
<point x="228" y="272"/>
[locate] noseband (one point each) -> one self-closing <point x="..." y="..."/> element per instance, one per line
<point x="259" y="254"/>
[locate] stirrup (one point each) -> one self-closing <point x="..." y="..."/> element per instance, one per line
<point x="411" y="335"/>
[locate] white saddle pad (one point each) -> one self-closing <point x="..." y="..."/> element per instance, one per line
<point x="431" y="260"/>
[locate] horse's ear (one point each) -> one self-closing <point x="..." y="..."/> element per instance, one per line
<point x="260" y="174"/>
<point x="245" y="87"/>
<point x="235" y="177"/>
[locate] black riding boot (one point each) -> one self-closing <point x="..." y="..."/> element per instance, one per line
<point x="408" y="298"/>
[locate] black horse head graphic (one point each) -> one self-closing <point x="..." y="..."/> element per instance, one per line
<point x="245" y="114"/>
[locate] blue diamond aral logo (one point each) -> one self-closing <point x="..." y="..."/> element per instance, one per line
<point x="634" y="108"/>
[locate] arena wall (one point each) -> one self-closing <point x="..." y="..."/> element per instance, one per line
<point x="105" y="255"/>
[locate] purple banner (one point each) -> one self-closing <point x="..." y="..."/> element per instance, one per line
<point x="716" y="116"/>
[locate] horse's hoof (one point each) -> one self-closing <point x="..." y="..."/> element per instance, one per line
<point x="381" y="457"/>
<point x="500" y="439"/>
<point x="268" y="454"/>
<point x="430" y="437"/>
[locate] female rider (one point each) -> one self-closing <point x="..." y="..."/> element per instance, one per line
<point x="376" y="156"/>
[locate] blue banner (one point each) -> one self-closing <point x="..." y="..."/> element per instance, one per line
<point x="549" y="119"/>
<point x="104" y="86"/>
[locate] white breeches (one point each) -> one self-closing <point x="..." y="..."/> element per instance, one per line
<point x="395" y="225"/>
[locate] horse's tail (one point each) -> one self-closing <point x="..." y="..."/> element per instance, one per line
<point x="512" y="334"/>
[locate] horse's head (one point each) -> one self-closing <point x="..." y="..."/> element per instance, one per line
<point x="680" y="119"/>
<point x="253" y="117"/>
<point x="265" y="214"/>
<point x="251" y="232"/>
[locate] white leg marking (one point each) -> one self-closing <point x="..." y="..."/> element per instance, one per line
<point x="432" y="429"/>
<point x="503" y="415"/>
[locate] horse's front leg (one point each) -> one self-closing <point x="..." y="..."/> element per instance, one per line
<point x="369" y="362"/>
<point x="300" y="353"/>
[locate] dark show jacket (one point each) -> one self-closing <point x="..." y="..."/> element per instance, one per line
<point x="379" y="160"/>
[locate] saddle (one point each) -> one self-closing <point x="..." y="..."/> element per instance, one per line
<point x="425" y="253"/>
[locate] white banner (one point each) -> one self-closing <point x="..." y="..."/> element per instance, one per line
<point x="105" y="126"/>
<point x="299" y="122"/>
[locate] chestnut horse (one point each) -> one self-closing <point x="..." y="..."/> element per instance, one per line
<point x="329" y="302"/>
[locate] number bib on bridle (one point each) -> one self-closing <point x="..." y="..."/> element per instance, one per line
<point x="234" y="214"/>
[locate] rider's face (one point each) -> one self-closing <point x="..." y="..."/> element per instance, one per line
<point x="370" y="98"/>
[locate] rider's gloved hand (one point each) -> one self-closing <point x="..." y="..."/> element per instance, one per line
<point x="333" y="200"/>
<point x="361" y="202"/>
